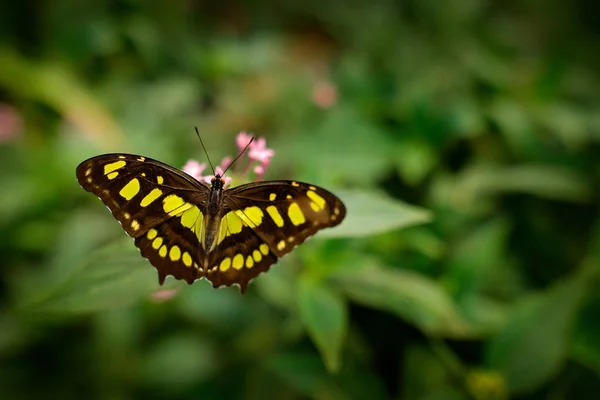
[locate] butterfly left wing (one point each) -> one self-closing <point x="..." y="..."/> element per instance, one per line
<point x="264" y="221"/>
<point x="156" y="204"/>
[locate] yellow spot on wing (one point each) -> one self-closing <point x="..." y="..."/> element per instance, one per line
<point x="275" y="216"/>
<point x="142" y="158"/>
<point x="225" y="264"/>
<point x="295" y="184"/>
<point x="252" y="216"/>
<point x="295" y="214"/>
<point x="238" y="261"/>
<point x="234" y="223"/>
<point x="156" y="243"/>
<point x="131" y="189"/>
<point x="88" y="172"/>
<point x="319" y="201"/>
<point x="175" y="253"/>
<point x="187" y="259"/>
<point x="264" y="249"/>
<point x="112" y="175"/>
<point x="311" y="187"/>
<point x="152" y="233"/>
<point x="108" y="168"/>
<point x="150" y="197"/>
<point x="249" y="262"/>
<point x="272" y="196"/>
<point x="189" y="217"/>
<point x="173" y="204"/>
<point x="135" y="225"/>
<point x="159" y="180"/>
<point x="281" y="245"/>
<point x="163" y="251"/>
<point x="256" y="255"/>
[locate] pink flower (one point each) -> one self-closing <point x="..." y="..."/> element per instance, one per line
<point x="225" y="162"/>
<point x="260" y="152"/>
<point x="325" y="94"/>
<point x="194" y="168"/>
<point x="163" y="295"/>
<point x="11" y="123"/>
<point x="242" y="140"/>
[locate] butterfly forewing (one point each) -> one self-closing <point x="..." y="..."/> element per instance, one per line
<point x="164" y="209"/>
<point x="284" y="213"/>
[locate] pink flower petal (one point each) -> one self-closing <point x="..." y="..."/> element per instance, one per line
<point x="194" y="169"/>
<point x="260" y="152"/>
<point x="242" y="140"/>
<point x="325" y="94"/>
<point x="163" y="295"/>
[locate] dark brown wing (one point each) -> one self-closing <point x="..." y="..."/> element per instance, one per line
<point x="267" y="220"/>
<point x="158" y="205"/>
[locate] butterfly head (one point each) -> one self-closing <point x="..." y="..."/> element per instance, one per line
<point x="217" y="182"/>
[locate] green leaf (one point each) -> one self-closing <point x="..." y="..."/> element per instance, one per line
<point x="546" y="181"/>
<point x="414" y="297"/>
<point x="476" y="256"/>
<point x="113" y="276"/>
<point x="369" y="213"/>
<point x="305" y="372"/>
<point x="325" y="317"/>
<point x="177" y="363"/>
<point x="533" y="345"/>
<point x="586" y="340"/>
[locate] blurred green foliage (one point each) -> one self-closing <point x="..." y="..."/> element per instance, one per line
<point x="463" y="137"/>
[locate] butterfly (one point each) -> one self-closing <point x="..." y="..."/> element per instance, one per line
<point x="189" y="229"/>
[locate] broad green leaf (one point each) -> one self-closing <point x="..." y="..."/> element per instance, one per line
<point x="369" y="213"/>
<point x="113" y="276"/>
<point x="325" y="317"/>
<point x="534" y="344"/>
<point x="416" y="298"/>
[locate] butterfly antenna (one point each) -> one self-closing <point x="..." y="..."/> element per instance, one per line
<point x="239" y="155"/>
<point x="205" y="152"/>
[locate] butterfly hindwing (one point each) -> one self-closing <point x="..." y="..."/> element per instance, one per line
<point x="239" y="258"/>
<point x="172" y="251"/>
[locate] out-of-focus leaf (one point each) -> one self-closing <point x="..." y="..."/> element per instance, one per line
<point x="114" y="276"/>
<point x="344" y="145"/>
<point x="547" y="181"/>
<point x="416" y="298"/>
<point x="305" y="372"/>
<point x="54" y="86"/>
<point x="414" y="159"/>
<point x="325" y="317"/>
<point x="534" y="344"/>
<point x="369" y="213"/>
<point x="178" y="363"/>
<point x="586" y="340"/>
<point x="476" y="256"/>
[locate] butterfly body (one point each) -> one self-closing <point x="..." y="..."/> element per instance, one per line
<point x="189" y="229"/>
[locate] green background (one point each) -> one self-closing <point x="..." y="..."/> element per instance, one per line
<point x="463" y="137"/>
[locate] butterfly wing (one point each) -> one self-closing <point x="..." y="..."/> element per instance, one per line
<point x="266" y="220"/>
<point x="158" y="205"/>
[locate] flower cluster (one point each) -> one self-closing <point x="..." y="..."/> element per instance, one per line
<point x="257" y="160"/>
